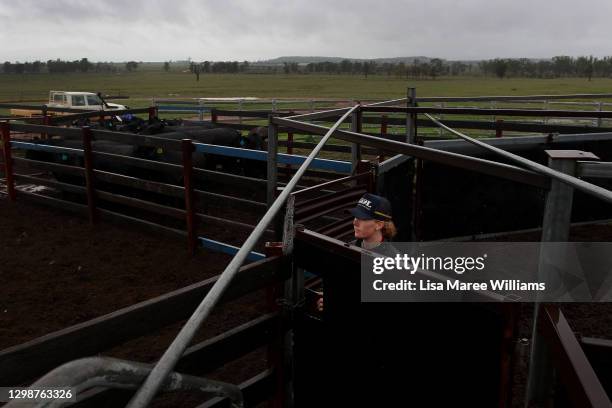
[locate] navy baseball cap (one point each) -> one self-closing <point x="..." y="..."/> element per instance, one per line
<point x="372" y="207"/>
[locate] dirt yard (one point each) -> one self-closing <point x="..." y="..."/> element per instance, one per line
<point x="57" y="270"/>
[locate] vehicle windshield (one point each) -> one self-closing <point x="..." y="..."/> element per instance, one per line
<point x="93" y="100"/>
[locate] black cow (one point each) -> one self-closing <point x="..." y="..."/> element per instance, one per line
<point x="225" y="137"/>
<point x="74" y="159"/>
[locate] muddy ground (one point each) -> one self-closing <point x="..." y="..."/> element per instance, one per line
<point x="57" y="270"/>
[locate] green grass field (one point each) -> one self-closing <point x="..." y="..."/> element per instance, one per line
<point x="144" y="85"/>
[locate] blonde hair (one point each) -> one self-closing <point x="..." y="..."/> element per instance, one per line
<point x="388" y="230"/>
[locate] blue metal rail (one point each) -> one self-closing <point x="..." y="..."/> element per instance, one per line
<point x="222" y="247"/>
<point x="338" y="166"/>
<point x="283" y="158"/>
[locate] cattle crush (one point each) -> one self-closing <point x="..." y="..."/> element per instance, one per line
<point x="460" y="189"/>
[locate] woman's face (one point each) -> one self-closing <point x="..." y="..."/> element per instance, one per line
<point x="365" y="228"/>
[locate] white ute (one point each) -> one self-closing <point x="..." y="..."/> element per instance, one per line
<point x="80" y="100"/>
<point x="87" y="101"/>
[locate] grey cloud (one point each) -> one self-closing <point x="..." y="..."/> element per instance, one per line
<point x="240" y="29"/>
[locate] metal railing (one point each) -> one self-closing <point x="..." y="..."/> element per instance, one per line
<point x="578" y="184"/>
<point x="169" y="359"/>
<point x="535" y="174"/>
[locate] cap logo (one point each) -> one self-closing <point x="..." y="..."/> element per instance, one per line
<point x="366" y="203"/>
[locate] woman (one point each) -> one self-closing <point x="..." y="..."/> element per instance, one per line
<point x="373" y="227"/>
<point x="373" y="224"/>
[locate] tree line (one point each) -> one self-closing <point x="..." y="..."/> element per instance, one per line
<point x="61" y="66"/>
<point x="559" y="66"/>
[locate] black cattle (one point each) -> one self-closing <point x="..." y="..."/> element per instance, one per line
<point x="226" y="137"/>
<point x="100" y="162"/>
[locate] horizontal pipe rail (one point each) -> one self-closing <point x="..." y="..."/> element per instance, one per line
<point x="578" y="184"/>
<point x="492" y="112"/>
<point x="515" y="143"/>
<point x="60" y="168"/>
<point x="501" y="98"/>
<point x="452" y="159"/>
<point x="594" y="169"/>
<point x="321" y="114"/>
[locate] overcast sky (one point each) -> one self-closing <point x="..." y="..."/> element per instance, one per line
<point x="159" y="30"/>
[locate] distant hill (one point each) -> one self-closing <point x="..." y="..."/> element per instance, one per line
<point x="394" y="60"/>
<point x="315" y="59"/>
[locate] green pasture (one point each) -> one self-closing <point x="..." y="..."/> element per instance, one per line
<point x="144" y="85"/>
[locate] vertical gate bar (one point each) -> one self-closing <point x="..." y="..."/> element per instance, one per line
<point x="294" y="296"/>
<point x="417" y="216"/>
<point x="45" y="121"/>
<point x="89" y="176"/>
<point x="272" y="173"/>
<point x="275" y="346"/>
<point x="411" y="117"/>
<point x="190" y="219"/>
<point x="383" y="134"/>
<point x="511" y="313"/>
<point x="499" y="128"/>
<point x="5" y="128"/>
<point x="355" y="147"/>
<point x="152" y="112"/>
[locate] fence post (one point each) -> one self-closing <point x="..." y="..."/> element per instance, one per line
<point x="499" y="129"/>
<point x="200" y="111"/>
<point x="294" y="296"/>
<point x="440" y="129"/>
<point x="240" y="109"/>
<point x="5" y="128"/>
<point x="290" y="138"/>
<point x="355" y="147"/>
<point x="190" y="219"/>
<point x="89" y="175"/>
<point x="410" y="117"/>
<point x="275" y="347"/>
<point x="383" y="134"/>
<point x="152" y="112"/>
<point x="45" y="121"/>
<point x="555" y="228"/>
<point x="599" y="120"/>
<point x="272" y="173"/>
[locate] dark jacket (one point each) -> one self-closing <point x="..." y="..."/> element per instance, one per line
<point x="385" y="248"/>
